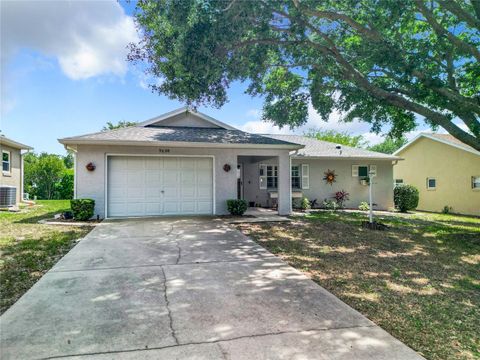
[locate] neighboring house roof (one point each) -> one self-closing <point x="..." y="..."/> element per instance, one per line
<point x="323" y="149"/>
<point x="442" y="138"/>
<point x="13" y="144"/>
<point x="174" y="135"/>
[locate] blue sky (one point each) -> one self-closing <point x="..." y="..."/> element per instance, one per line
<point x="63" y="73"/>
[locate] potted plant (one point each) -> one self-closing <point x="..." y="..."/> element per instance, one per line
<point x="365" y="181"/>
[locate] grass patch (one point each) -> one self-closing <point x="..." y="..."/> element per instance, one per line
<point x="28" y="249"/>
<point x="419" y="279"/>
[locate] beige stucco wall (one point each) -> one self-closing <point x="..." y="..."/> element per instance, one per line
<point x="14" y="178"/>
<point x="92" y="184"/>
<point x="453" y="169"/>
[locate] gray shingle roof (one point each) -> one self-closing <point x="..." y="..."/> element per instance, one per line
<point x="177" y="134"/>
<point x="318" y="148"/>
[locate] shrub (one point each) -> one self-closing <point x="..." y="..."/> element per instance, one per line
<point x="236" y="206"/>
<point x="364" y="206"/>
<point x="330" y="204"/>
<point x="340" y="197"/>
<point x="406" y="197"/>
<point x="447" y="209"/>
<point x="82" y="209"/>
<point x="305" y="204"/>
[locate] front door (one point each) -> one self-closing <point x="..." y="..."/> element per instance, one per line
<point x="240" y="181"/>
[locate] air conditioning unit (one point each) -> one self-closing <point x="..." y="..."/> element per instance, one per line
<point x="8" y="196"/>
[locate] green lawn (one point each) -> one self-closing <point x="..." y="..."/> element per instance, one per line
<point x="419" y="279"/>
<point x="29" y="249"/>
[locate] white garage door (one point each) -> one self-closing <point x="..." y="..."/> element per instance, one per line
<point x="151" y="185"/>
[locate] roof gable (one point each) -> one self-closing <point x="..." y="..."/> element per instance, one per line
<point x="184" y="117"/>
<point x="442" y="138"/>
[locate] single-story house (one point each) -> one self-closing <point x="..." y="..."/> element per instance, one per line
<point x="185" y="162"/>
<point x="445" y="170"/>
<point x="11" y="178"/>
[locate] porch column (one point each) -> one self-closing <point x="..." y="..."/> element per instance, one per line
<point x="284" y="184"/>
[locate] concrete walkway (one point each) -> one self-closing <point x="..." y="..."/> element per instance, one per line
<point x="184" y="289"/>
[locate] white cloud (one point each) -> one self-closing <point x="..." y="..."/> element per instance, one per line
<point x="88" y="38"/>
<point x="314" y="121"/>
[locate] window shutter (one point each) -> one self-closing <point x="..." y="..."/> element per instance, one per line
<point x="262" y="178"/>
<point x="355" y="170"/>
<point x="373" y="169"/>
<point x="305" y="176"/>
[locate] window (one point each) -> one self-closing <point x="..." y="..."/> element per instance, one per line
<point x="398" y="182"/>
<point x="6" y="161"/>
<point x="431" y="183"/>
<point x="476" y="182"/>
<point x="296" y="177"/>
<point x="272" y="176"/>
<point x="360" y="170"/>
<point x="268" y="176"/>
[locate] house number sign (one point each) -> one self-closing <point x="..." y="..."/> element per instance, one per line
<point x="163" y="150"/>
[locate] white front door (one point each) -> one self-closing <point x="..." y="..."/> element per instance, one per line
<point x="151" y="185"/>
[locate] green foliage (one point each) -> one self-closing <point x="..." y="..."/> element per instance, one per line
<point x="363" y="206"/>
<point x="447" y="209"/>
<point x="305" y="204"/>
<point x="119" y="125"/>
<point x="237" y="207"/>
<point x="406" y="197"/>
<point x="43" y="174"/>
<point x="383" y="62"/>
<point x="83" y="209"/>
<point x="330" y="204"/>
<point x="337" y="137"/>
<point x="64" y="188"/>
<point x="389" y="145"/>
<point x="68" y="160"/>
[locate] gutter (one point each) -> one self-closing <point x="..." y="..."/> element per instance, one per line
<point x="184" y="144"/>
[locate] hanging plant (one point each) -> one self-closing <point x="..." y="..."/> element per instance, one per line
<point x="330" y="176"/>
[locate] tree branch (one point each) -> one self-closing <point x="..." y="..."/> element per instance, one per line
<point x="441" y="31"/>
<point x="461" y="14"/>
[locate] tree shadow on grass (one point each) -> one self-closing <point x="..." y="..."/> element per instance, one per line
<point x="418" y="279"/>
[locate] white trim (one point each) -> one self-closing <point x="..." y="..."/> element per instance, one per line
<point x="9" y="171"/>
<point x="428" y="136"/>
<point x="74" y="175"/>
<point x="360" y="158"/>
<point x="214" y="208"/>
<point x="183" y="144"/>
<point x="307" y="185"/>
<point x="13" y="144"/>
<point x="290" y="184"/>
<point x="185" y="110"/>
<point x="428" y="183"/>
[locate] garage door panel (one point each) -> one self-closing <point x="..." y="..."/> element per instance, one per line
<point x="143" y="186"/>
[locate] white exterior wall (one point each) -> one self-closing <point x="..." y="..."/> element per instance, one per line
<point x="92" y="184"/>
<point x="320" y="190"/>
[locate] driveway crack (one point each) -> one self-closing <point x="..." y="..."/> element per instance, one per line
<point x="167" y="302"/>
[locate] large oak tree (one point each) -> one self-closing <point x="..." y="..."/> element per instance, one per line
<point x="380" y="61"/>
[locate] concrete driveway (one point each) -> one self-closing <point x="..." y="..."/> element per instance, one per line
<point x="184" y="289"/>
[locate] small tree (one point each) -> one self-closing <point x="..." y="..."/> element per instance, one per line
<point x="119" y="125"/>
<point x="337" y="137"/>
<point x="406" y="197"/>
<point x="389" y="145"/>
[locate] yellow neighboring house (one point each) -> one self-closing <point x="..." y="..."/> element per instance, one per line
<point x="445" y="171"/>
